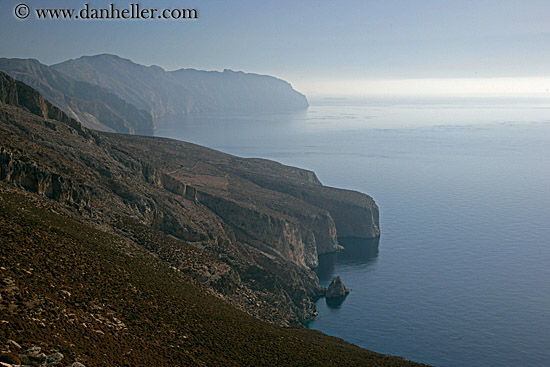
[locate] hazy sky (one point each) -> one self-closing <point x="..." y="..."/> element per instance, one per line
<point x="334" y="47"/>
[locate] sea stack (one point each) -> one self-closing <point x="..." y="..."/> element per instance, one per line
<point x="336" y="289"/>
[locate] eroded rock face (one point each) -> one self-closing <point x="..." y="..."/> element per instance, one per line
<point x="273" y="233"/>
<point x="354" y="214"/>
<point x="260" y="225"/>
<point x="32" y="177"/>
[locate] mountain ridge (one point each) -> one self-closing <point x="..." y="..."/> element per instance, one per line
<point x="93" y="106"/>
<point x="109" y="93"/>
<point x="183" y="91"/>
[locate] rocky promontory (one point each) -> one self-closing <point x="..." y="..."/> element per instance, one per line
<point x="259" y="224"/>
<point x="74" y="292"/>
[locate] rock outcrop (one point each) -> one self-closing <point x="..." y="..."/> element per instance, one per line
<point x="33" y="356"/>
<point x="259" y="237"/>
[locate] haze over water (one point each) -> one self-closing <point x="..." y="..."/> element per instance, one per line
<point x="460" y="275"/>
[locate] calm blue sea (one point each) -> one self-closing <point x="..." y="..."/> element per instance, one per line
<point x="461" y="273"/>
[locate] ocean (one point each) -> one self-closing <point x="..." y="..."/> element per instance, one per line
<point x="461" y="273"/>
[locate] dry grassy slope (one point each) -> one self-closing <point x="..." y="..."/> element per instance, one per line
<point x="104" y="300"/>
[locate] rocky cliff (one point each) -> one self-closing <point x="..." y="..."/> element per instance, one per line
<point x="93" y="106"/>
<point x="258" y="236"/>
<point x="354" y="214"/>
<point x="172" y="93"/>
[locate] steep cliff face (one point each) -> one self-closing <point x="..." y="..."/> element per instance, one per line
<point x="16" y="93"/>
<point x="28" y="175"/>
<point x="93" y="106"/>
<point x="354" y="214"/>
<point x="262" y="238"/>
<point x="168" y="93"/>
<point x="267" y="231"/>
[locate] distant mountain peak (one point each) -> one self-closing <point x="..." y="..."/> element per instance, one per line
<point x="104" y="56"/>
<point x="109" y="58"/>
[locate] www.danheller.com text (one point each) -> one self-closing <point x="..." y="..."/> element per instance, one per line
<point x="134" y="11"/>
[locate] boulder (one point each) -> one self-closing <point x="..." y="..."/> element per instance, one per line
<point x="54" y="358"/>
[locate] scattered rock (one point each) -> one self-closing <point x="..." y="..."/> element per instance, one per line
<point x="33" y="356"/>
<point x="337" y="289"/>
<point x="13" y="343"/>
<point x="66" y="293"/>
<point x="33" y="351"/>
<point x="8" y="286"/>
